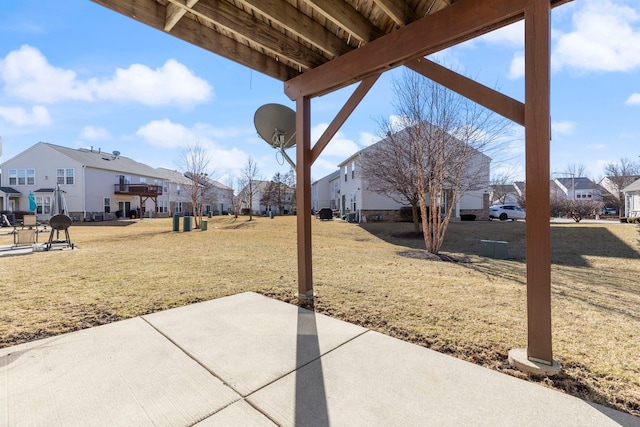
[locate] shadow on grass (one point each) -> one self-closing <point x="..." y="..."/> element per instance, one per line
<point x="570" y="243"/>
<point x="114" y="223"/>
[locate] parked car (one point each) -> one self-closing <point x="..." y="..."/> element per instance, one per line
<point x="505" y="212"/>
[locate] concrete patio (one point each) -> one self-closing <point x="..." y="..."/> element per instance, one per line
<point x="248" y="360"/>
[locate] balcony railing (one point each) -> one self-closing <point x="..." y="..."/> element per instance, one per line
<point x="138" y="189"/>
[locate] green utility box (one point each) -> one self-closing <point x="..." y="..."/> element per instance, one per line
<point x="494" y="249"/>
<point x="176" y="223"/>
<point x="187" y="224"/>
<point x="203" y="225"/>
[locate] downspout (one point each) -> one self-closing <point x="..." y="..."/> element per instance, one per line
<point x="84" y="192"/>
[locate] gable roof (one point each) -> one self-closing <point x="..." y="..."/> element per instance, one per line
<point x="400" y="134"/>
<point x="580" y="183"/>
<point x="107" y="161"/>
<point x="634" y="186"/>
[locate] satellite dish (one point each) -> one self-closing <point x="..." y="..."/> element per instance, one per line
<point x="276" y="124"/>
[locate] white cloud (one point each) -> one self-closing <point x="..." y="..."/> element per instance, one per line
<point x="173" y="83"/>
<point x="634" y="99"/>
<point x="516" y="70"/>
<point x="339" y="146"/>
<point x="563" y="128"/>
<point x="606" y="37"/>
<point x="511" y="35"/>
<point x="367" y="139"/>
<point x="166" y="134"/>
<point x="38" y="116"/>
<point x="91" y="133"/>
<point x="27" y="75"/>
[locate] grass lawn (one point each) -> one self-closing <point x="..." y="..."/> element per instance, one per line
<point x="365" y="274"/>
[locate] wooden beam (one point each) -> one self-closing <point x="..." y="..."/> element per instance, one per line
<point x="399" y="11"/>
<point x="244" y="25"/>
<point x="303" y="199"/>
<point x="459" y="22"/>
<point x="347" y="18"/>
<point x="537" y="134"/>
<point x="151" y="13"/>
<point x="175" y="11"/>
<point x="342" y="116"/>
<point x="483" y="95"/>
<point x="300" y="25"/>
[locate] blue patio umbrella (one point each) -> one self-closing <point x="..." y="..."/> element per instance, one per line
<point x="32" y="202"/>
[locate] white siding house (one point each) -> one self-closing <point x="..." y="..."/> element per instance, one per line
<point x="360" y="204"/>
<point x="325" y="192"/>
<point x="632" y="200"/>
<point x="97" y="185"/>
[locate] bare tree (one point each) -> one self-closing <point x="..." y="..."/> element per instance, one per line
<point x="387" y="169"/>
<point x="502" y="185"/>
<point x="575" y="170"/>
<point x="277" y="193"/>
<point x="195" y="163"/>
<point x="247" y="181"/>
<point x="446" y="141"/>
<point x="230" y="182"/>
<point x="621" y="174"/>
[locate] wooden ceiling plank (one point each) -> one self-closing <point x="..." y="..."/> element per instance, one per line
<point x="151" y="13"/>
<point x="459" y="22"/>
<point x="344" y="113"/>
<point x="399" y="11"/>
<point x="175" y="12"/>
<point x="225" y="15"/>
<point x="300" y="25"/>
<point x="483" y="95"/>
<point x="347" y="18"/>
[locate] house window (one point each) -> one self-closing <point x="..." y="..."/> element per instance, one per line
<point x="13" y="177"/>
<point x="178" y="207"/>
<point x="177" y="188"/>
<point x="143" y="180"/>
<point x="107" y="205"/>
<point x="43" y="205"/>
<point x="345" y="174"/>
<point x="353" y="169"/>
<point x="65" y="176"/>
<point x="165" y="186"/>
<point x="22" y="176"/>
<point x="163" y="206"/>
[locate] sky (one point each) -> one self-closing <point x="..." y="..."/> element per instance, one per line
<point x="76" y="74"/>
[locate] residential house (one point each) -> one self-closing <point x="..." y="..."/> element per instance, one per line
<point x="576" y="188"/>
<point x="176" y="197"/>
<point x="266" y="197"/>
<point x="349" y="193"/>
<point x="325" y="192"/>
<point x="613" y="186"/>
<point x="501" y="194"/>
<point x="97" y="185"/>
<point x="632" y="200"/>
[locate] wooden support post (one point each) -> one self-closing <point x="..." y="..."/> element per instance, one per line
<point x="303" y="199"/>
<point x="537" y="136"/>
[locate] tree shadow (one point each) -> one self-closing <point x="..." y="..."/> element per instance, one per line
<point x="570" y="244"/>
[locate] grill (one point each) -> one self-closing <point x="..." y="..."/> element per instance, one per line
<point x="58" y="223"/>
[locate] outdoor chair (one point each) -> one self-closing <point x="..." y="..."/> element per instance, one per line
<point x="30" y="221"/>
<point x="25" y="237"/>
